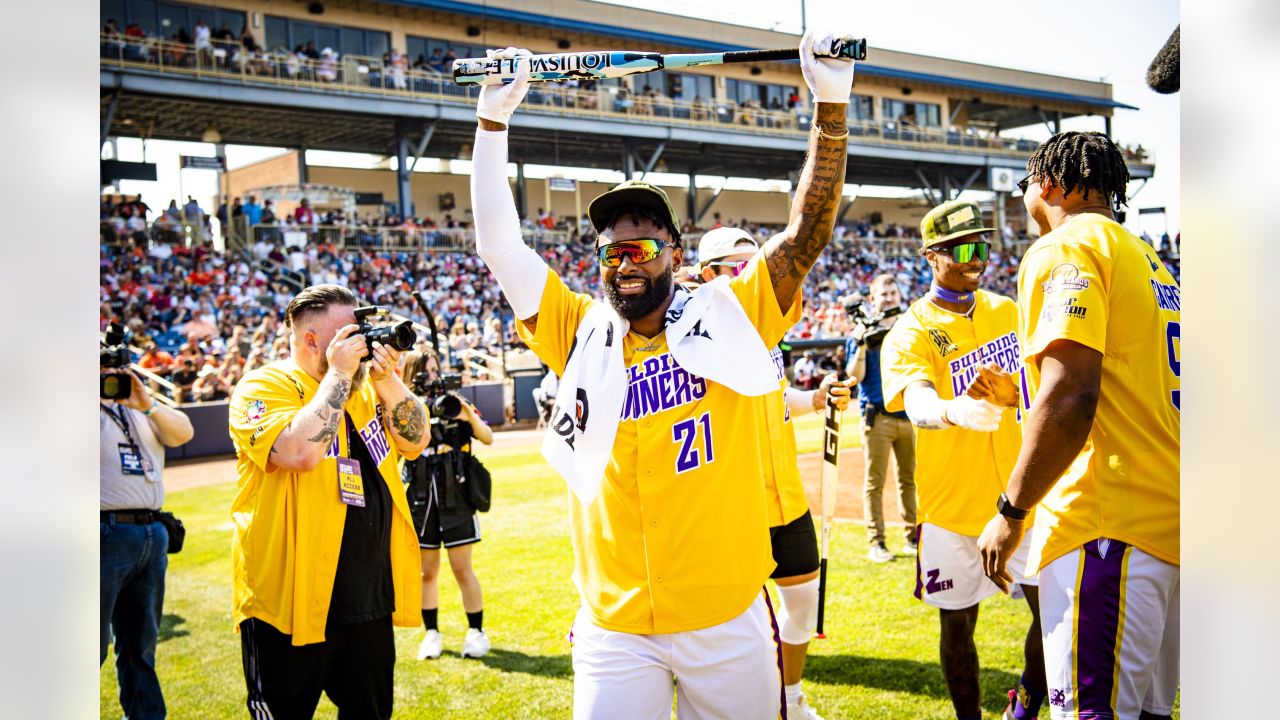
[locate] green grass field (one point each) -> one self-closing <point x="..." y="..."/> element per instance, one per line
<point x="879" y="660"/>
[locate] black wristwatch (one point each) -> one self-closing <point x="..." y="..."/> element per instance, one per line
<point x="1007" y="509"/>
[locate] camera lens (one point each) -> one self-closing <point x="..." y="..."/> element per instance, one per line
<point x="400" y="336"/>
<point x="447" y="407"/>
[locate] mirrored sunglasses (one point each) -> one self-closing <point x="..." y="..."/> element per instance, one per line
<point x="965" y="252"/>
<point x="641" y="250"/>
<point x="738" y="267"/>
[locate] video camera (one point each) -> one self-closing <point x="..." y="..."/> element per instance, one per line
<point x="438" y="394"/>
<point x="113" y="354"/>
<point x="873" y="332"/>
<point x="400" y="336"/>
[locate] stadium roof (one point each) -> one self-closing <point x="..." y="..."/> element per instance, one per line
<point x="634" y="24"/>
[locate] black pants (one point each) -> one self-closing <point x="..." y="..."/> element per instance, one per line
<point x="353" y="666"/>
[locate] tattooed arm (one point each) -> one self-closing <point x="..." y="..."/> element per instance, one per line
<point x="402" y="412"/>
<point x="404" y="415"/>
<point x="793" y="251"/>
<point x="301" y="446"/>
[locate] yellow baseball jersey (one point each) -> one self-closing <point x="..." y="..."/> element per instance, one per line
<point x="784" y="489"/>
<point x="678" y="538"/>
<point x="1094" y="283"/>
<point x="959" y="473"/>
<point x="288" y="525"/>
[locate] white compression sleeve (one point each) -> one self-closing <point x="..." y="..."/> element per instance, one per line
<point x="519" y="270"/>
<point x="800" y="402"/>
<point x="924" y="407"/>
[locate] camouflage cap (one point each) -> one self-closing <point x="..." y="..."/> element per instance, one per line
<point x="632" y="193"/>
<point x="949" y="221"/>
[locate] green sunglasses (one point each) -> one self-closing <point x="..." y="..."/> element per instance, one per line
<point x="966" y="252"/>
<point x="640" y="250"/>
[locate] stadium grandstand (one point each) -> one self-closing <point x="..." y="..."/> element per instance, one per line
<point x="206" y="285"/>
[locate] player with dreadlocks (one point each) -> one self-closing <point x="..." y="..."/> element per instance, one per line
<point x="1097" y="310"/>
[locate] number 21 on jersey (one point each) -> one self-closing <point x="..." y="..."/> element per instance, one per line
<point x="694" y="438"/>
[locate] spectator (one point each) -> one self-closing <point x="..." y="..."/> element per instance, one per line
<point x="437" y="61"/>
<point x="304" y="215"/>
<point x="133" y="541"/>
<point x="806" y="372"/>
<point x="184" y="379"/>
<point x="252" y="212"/>
<point x="328" y="70"/>
<point x="204" y="43"/>
<point x="155" y="360"/>
<point x="396" y="67"/>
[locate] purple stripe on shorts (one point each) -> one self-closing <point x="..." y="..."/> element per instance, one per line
<point x="777" y="643"/>
<point x="1098" y="605"/>
<point x="919" y="574"/>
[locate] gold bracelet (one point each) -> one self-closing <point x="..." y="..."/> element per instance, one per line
<point x="822" y="134"/>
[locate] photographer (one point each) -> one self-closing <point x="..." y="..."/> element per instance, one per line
<point x="132" y="434"/>
<point x="882" y="432"/>
<point x="323" y="552"/>
<point x="439" y="486"/>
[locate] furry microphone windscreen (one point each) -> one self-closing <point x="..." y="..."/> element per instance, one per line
<point x="1163" y="76"/>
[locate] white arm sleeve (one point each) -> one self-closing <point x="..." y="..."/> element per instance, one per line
<point x="924" y="407"/>
<point x="800" y="402"/>
<point x="520" y="272"/>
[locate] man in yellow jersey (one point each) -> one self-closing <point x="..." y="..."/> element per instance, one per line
<point x="1100" y="320"/>
<point x="966" y="447"/>
<point x="324" y="552"/>
<point x="725" y="252"/>
<point x="658" y="421"/>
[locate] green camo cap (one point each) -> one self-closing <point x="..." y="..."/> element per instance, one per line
<point x="632" y="193"/>
<point x="951" y="220"/>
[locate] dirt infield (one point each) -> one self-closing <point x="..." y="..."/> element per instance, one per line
<point x="198" y="473"/>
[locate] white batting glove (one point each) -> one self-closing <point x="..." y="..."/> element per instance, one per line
<point x="830" y="79"/>
<point x="498" y="102"/>
<point x="972" y="414"/>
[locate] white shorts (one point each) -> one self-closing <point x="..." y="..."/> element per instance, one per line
<point x="1109" y="613"/>
<point x="949" y="569"/>
<point x="732" y="670"/>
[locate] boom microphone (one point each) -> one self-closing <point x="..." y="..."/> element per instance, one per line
<point x="617" y="63"/>
<point x="1163" y="76"/>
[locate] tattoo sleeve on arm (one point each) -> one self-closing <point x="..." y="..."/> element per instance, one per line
<point x="328" y="432"/>
<point x="408" y="419"/>
<point x="793" y="252"/>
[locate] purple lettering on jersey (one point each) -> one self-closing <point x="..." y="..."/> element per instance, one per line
<point x="652" y="365"/>
<point x="658" y="384"/>
<point x="375" y="437"/>
<point x="681" y="392"/>
<point x="664" y="389"/>
<point x="648" y="388"/>
<point x="1004" y="351"/>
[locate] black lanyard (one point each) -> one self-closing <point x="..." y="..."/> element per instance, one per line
<point x="121" y="421"/>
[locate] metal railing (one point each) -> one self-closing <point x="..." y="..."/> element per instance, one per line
<point x="117" y="231"/>
<point x="381" y="238"/>
<point x="368" y="75"/>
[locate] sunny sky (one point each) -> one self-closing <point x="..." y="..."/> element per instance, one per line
<point x="1111" y="41"/>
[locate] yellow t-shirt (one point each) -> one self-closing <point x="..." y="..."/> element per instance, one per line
<point x="784" y="489"/>
<point x="288" y="525"/>
<point x="678" y="538"/>
<point x="959" y="473"/>
<point x="1094" y="283"/>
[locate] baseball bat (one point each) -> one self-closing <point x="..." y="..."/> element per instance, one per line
<point x="617" y="63"/>
<point x="830" y="482"/>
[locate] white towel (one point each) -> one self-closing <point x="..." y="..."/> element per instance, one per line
<point x="709" y="335"/>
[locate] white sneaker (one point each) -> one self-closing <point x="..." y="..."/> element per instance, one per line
<point x="801" y="710"/>
<point x="911" y="548"/>
<point x="476" y="645"/>
<point x="878" y="553"/>
<point x="431" y="646"/>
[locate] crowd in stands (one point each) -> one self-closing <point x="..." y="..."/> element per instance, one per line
<point x="205" y="317"/>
